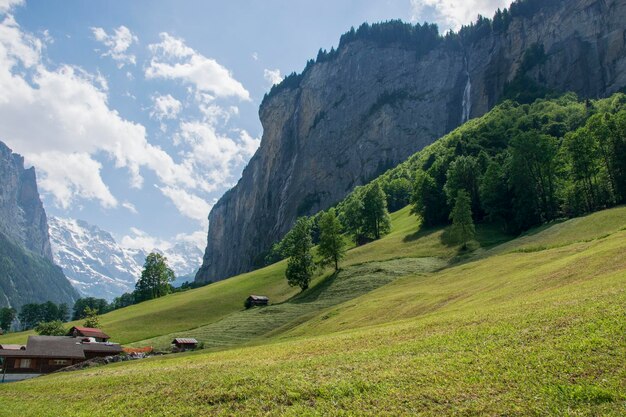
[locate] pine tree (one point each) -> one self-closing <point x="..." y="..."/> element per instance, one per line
<point x="462" y="224"/>
<point x="331" y="246"/>
<point x="300" y="265"/>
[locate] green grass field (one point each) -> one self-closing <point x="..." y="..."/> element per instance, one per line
<point x="532" y="326"/>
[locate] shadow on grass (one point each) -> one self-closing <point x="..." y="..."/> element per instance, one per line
<point x="313" y="293"/>
<point x="420" y="234"/>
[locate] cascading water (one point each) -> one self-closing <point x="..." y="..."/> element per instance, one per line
<point x="467" y="96"/>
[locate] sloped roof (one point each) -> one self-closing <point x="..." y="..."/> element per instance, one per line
<point x="50" y="346"/>
<point x="259" y="298"/>
<point x="185" y="341"/>
<point x="88" y="332"/>
<point x="60" y="347"/>
<point x="12" y="347"/>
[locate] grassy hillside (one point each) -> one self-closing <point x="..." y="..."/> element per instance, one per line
<point x="178" y="313"/>
<point x="534" y="326"/>
<point x="187" y="310"/>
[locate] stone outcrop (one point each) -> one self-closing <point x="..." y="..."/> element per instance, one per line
<point x="371" y="106"/>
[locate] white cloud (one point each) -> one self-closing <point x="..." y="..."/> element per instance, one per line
<point x="67" y="175"/>
<point x="173" y="59"/>
<point x="117" y="43"/>
<point x="452" y="14"/>
<point x="130" y="207"/>
<point x="188" y="204"/>
<point x="165" y="107"/>
<point x="196" y="238"/>
<point x="272" y="76"/>
<point x="140" y="240"/>
<point x="255" y="56"/>
<point x="212" y="154"/>
<point x="48" y="115"/>
<point x="7" y="5"/>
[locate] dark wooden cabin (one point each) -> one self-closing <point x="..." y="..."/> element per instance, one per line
<point x="256" y="300"/>
<point x="182" y="344"/>
<point x="45" y="354"/>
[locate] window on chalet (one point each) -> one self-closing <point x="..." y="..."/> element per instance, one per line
<point x="23" y="363"/>
<point x="58" y="362"/>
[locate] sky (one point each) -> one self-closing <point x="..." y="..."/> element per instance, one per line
<point x="139" y="115"/>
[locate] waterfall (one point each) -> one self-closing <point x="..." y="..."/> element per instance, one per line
<point x="467" y="95"/>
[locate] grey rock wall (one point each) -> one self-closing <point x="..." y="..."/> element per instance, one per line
<point x="371" y="107"/>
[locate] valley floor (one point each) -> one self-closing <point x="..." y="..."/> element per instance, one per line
<point x="533" y="326"/>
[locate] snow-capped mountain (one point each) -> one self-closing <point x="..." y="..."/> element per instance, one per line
<point x="99" y="267"/>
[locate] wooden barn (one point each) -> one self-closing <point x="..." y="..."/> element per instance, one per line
<point x="182" y="344"/>
<point x="256" y="300"/>
<point x="45" y="354"/>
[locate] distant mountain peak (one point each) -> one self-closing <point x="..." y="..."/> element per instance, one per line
<point x="99" y="267"/>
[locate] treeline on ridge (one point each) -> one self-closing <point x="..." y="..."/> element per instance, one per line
<point x="521" y="165"/>
<point x="421" y="38"/>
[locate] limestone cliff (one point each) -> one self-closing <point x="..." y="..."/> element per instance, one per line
<point x="22" y="216"/>
<point x="27" y="272"/>
<point x="372" y="105"/>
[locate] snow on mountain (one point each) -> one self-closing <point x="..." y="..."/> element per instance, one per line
<point x="99" y="267"/>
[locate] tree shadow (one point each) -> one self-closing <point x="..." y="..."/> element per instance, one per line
<point x="315" y="292"/>
<point x="420" y="234"/>
<point x="448" y="239"/>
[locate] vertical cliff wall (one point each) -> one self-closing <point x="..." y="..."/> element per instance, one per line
<point x="27" y="272"/>
<point x="371" y="106"/>
<point x="22" y="216"/>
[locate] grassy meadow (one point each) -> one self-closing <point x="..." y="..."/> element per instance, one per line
<point x="532" y="326"/>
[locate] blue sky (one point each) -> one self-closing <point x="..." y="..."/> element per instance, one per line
<point x="139" y="115"/>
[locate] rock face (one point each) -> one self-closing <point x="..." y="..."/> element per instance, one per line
<point x="22" y="216"/>
<point x="27" y="273"/>
<point x="371" y="106"/>
<point x="98" y="266"/>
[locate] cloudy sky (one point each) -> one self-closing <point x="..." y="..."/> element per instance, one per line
<point x="139" y="115"/>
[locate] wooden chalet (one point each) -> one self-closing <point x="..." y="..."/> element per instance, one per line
<point x="97" y="334"/>
<point x="45" y="354"/>
<point x="182" y="344"/>
<point x="256" y="300"/>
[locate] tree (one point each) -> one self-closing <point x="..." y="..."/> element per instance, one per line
<point x="428" y="200"/>
<point x="7" y="315"/>
<point x="49" y="311"/>
<point x="495" y="194"/>
<point x="63" y="312"/>
<point x="124" y="300"/>
<point x="533" y="177"/>
<point x="462" y="224"/>
<point x="91" y="318"/>
<point x="51" y="328"/>
<point x="30" y="315"/>
<point x="155" y="278"/>
<point x="98" y="304"/>
<point x="464" y="174"/>
<point x="398" y="193"/>
<point x="583" y="156"/>
<point x="300" y="265"/>
<point x="352" y="214"/>
<point x="376" y="221"/>
<point x="332" y="247"/>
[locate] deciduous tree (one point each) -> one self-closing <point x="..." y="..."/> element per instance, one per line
<point x="332" y="247"/>
<point x="300" y="266"/>
<point x="462" y="224"/>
